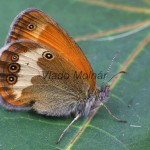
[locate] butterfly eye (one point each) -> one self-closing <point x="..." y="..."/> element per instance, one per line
<point x="31" y="27"/>
<point x="15" y="58"/>
<point x="47" y="55"/>
<point x="11" y="79"/>
<point x="14" y="68"/>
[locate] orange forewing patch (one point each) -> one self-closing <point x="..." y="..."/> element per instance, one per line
<point x="49" y="33"/>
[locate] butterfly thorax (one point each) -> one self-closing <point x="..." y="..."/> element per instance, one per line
<point x="93" y="100"/>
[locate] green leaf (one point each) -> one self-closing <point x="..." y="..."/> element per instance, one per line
<point x="86" y="21"/>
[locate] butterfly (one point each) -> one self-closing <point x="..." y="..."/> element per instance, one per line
<point x="36" y="54"/>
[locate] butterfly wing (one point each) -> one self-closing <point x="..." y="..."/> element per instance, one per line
<point x="15" y="71"/>
<point x="30" y="78"/>
<point x="35" y="25"/>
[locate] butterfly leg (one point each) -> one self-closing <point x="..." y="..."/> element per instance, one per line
<point x="114" y="117"/>
<point x="63" y="133"/>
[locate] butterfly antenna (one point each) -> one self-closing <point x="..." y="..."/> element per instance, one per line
<point x="108" y="70"/>
<point x="120" y="72"/>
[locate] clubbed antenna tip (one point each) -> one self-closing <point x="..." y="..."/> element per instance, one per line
<point x="108" y="70"/>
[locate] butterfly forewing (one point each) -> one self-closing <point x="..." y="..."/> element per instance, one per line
<point x="35" y="25"/>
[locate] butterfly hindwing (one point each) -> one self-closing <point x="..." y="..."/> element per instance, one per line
<point x="27" y="72"/>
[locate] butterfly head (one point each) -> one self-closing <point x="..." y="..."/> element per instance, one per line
<point x="103" y="92"/>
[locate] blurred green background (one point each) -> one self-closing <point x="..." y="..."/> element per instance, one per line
<point x="91" y="20"/>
